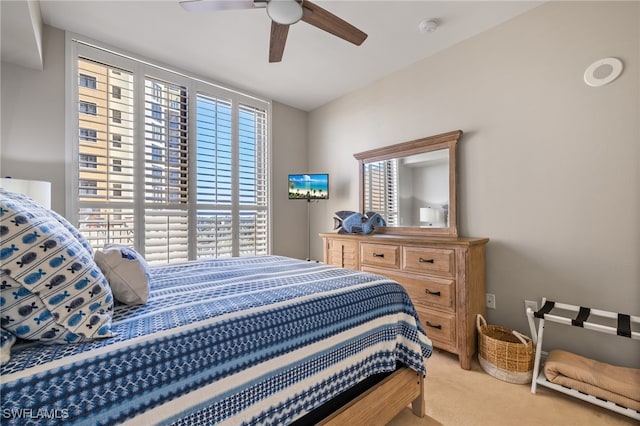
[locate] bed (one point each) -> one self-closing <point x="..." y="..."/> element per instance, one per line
<point x="249" y="340"/>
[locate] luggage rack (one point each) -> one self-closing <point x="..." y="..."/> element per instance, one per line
<point x="603" y="322"/>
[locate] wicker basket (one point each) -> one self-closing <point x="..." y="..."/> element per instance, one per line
<point x="504" y="353"/>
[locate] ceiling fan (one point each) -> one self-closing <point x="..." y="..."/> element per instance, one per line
<point x="284" y="13"/>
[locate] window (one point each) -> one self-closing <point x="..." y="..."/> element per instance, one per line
<point x="156" y="154"/>
<point x="88" y="108"/>
<point x="381" y="189"/>
<point x="117" y="191"/>
<point x="87" y="81"/>
<point x="156" y="111"/>
<point x="88" y="161"/>
<point x="116" y="92"/>
<point x="156" y="91"/>
<point x="181" y="173"/>
<point x="156" y="133"/>
<point x="88" y="135"/>
<point x="215" y="180"/>
<point x="105" y="204"/>
<point x="87" y="187"/>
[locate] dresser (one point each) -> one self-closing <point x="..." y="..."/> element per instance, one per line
<point x="444" y="276"/>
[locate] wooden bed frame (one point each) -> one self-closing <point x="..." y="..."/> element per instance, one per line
<point x="381" y="403"/>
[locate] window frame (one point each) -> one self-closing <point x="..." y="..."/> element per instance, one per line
<point x="90" y="81"/>
<point x="85" y="136"/>
<point x="89" y="161"/>
<point x="87" y="187"/>
<point x="77" y="46"/>
<point x="116" y="92"/>
<point x="89" y="108"/>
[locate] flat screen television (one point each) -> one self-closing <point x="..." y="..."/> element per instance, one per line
<point x="309" y="186"/>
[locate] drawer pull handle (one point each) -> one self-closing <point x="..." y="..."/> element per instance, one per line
<point x="439" y="327"/>
<point x="378" y="254"/>
<point x="423" y="260"/>
<point x="433" y="293"/>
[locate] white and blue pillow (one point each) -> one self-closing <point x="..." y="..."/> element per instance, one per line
<point x="127" y="273"/>
<point x="7" y="340"/>
<point x="52" y="290"/>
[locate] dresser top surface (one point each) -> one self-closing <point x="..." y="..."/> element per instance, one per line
<point x="408" y="239"/>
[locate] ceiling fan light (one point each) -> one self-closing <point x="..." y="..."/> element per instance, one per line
<point x="285" y="12"/>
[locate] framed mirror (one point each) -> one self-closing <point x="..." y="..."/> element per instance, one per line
<point x="412" y="185"/>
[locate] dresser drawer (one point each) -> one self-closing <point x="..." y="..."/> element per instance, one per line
<point x="343" y="254"/>
<point x="424" y="291"/>
<point x="430" y="291"/>
<point x="383" y="255"/>
<point x="440" y="327"/>
<point x="429" y="260"/>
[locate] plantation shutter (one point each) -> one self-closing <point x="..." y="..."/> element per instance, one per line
<point x="252" y="190"/>
<point x="381" y="189"/>
<point x="166" y="172"/>
<point x="105" y="153"/>
<point x="214" y="177"/>
<point x="232" y="179"/>
<point x="146" y="179"/>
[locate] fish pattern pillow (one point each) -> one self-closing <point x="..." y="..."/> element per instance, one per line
<point x="52" y="290"/>
<point x="35" y="207"/>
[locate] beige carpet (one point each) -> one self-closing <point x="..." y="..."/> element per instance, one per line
<point x="456" y="397"/>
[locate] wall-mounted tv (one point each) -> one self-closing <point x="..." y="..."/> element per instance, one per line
<point x="309" y="186"/>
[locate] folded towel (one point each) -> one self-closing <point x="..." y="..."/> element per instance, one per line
<point x="616" y="384"/>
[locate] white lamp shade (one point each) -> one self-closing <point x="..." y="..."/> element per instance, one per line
<point x="431" y="215"/>
<point x="427" y="214"/>
<point x="39" y="191"/>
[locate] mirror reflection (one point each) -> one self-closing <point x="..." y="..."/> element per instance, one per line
<point x="410" y="191"/>
<point x="413" y="185"/>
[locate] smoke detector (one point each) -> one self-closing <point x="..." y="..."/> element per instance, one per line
<point x="428" y="26"/>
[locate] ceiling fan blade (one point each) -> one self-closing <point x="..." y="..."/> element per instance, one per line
<point x="207" y="5"/>
<point x="278" y="39"/>
<point x="327" y="21"/>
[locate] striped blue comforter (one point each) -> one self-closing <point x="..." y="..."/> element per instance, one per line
<point x="259" y="340"/>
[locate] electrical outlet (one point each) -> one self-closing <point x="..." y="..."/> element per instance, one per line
<point x="530" y="304"/>
<point x="491" y="301"/>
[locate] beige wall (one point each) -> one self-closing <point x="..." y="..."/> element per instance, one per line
<point x="33" y="140"/>
<point x="289" y="222"/>
<point x="549" y="167"/>
<point x="32" y="145"/>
